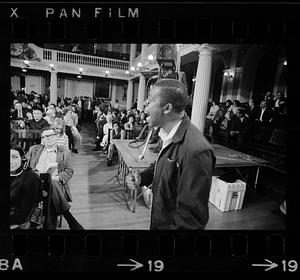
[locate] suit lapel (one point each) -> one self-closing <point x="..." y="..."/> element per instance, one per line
<point x="38" y="154"/>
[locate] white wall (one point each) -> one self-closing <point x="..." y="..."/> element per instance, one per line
<point x="135" y="92"/>
<point x="15" y="83"/>
<point x="61" y="88"/>
<point x="33" y="83"/>
<point x="119" y="95"/>
<point x="74" y="88"/>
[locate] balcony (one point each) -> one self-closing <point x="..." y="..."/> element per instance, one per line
<point x="67" y="62"/>
<point x="80" y="59"/>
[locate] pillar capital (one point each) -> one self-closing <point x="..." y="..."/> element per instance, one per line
<point x="205" y="49"/>
<point x="140" y="75"/>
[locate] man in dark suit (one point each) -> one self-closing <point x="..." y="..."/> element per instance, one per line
<point x="55" y="160"/>
<point x="19" y="113"/>
<point x="240" y="127"/>
<point x="266" y="114"/>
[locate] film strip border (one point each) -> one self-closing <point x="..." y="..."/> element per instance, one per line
<point x="177" y="251"/>
<point x="191" y="22"/>
<point x="237" y="30"/>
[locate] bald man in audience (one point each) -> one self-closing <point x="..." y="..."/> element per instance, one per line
<point x="55" y="160"/>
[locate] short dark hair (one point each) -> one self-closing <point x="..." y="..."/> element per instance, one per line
<point x="173" y="92"/>
<point x="131" y="116"/>
<point x="66" y="110"/>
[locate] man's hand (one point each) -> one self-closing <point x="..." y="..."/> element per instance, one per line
<point x="133" y="180"/>
<point x="52" y="168"/>
<point x="55" y="177"/>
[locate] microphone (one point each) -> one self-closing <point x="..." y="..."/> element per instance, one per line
<point x="147" y="142"/>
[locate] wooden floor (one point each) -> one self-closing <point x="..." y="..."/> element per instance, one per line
<point x="98" y="201"/>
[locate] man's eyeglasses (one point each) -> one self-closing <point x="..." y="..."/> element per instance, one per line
<point x="50" y="136"/>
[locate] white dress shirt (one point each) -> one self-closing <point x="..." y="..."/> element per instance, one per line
<point x="168" y="138"/>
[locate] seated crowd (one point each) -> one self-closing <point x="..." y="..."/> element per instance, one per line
<point x="59" y="126"/>
<point x="241" y="121"/>
<point x="112" y="123"/>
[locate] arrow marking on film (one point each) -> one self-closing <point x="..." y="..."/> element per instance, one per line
<point x="270" y="265"/>
<point x="135" y="265"/>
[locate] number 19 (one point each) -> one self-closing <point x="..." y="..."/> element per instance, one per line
<point x="292" y="265"/>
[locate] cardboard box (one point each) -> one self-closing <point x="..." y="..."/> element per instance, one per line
<point x="227" y="196"/>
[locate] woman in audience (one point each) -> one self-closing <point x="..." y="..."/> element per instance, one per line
<point x="74" y="114"/>
<point x="50" y="116"/>
<point x="143" y="120"/>
<point x="115" y="133"/>
<point x="59" y="113"/>
<point x="231" y="112"/>
<point x="130" y="127"/>
<point x="212" y="111"/>
<point x="61" y="136"/>
<point x="25" y="190"/>
<point x="29" y="116"/>
<point x="68" y="120"/>
<point x="123" y="120"/>
<point x="106" y="129"/>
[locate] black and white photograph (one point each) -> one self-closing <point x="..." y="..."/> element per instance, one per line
<point x="148" y="136"/>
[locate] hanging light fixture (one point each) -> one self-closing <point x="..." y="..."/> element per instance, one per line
<point x="228" y="74"/>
